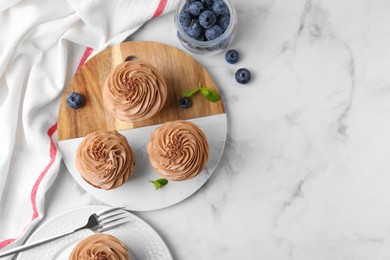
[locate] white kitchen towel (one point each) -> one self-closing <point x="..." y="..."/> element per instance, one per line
<point x="42" y="42"/>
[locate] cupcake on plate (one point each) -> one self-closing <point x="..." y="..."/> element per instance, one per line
<point x="178" y="150"/>
<point x="100" y="246"/>
<point x="105" y="159"/>
<point x="134" y="91"/>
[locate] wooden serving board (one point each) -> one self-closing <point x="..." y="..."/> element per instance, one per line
<point x="181" y="73"/>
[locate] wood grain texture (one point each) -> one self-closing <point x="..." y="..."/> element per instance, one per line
<point x="181" y="73"/>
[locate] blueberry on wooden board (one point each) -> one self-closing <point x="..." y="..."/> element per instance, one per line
<point x="75" y="100"/>
<point x="185" y="102"/>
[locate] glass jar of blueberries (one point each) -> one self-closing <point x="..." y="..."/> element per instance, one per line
<point x="205" y="26"/>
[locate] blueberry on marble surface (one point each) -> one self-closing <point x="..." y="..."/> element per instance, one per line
<point x="207" y="19"/>
<point x="232" y="56"/>
<point x="243" y="76"/>
<point x="185" y="102"/>
<point x="223" y="22"/>
<point x="219" y="7"/>
<point x="194" y="30"/>
<point x="195" y="8"/>
<point x="185" y="19"/>
<point x="75" y="100"/>
<point x="213" y="33"/>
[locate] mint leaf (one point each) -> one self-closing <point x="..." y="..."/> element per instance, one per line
<point x="158" y="184"/>
<point x="210" y="94"/>
<point x="191" y="92"/>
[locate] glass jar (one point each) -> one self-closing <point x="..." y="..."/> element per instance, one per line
<point x="207" y="47"/>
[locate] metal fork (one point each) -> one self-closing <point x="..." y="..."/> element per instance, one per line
<point x="100" y="222"/>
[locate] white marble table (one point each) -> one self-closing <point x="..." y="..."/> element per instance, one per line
<point x="306" y="171"/>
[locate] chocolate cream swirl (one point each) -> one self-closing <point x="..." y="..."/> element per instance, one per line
<point x="178" y="150"/>
<point x="134" y="91"/>
<point x="105" y="159"/>
<point x="100" y="247"/>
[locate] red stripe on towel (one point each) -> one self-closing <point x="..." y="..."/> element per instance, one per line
<point x="53" y="154"/>
<point x="6" y="242"/>
<point x="33" y="196"/>
<point x="86" y="54"/>
<point x="160" y="8"/>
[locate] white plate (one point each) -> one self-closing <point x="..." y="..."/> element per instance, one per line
<point x="138" y="194"/>
<point x="142" y="240"/>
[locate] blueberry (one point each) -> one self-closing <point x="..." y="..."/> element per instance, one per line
<point x="185" y="19"/>
<point x="191" y="1"/>
<point x="207" y="19"/>
<point x="223" y="22"/>
<point x="195" y="8"/>
<point x="208" y="2"/>
<point x="194" y="30"/>
<point x="75" y="100"/>
<point x="185" y="102"/>
<point x="213" y="33"/>
<point x="243" y="76"/>
<point x="232" y="56"/>
<point x="219" y="7"/>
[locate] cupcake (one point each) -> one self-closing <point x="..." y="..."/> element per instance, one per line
<point x="134" y="91"/>
<point x="100" y="246"/>
<point x="105" y="159"/>
<point x="178" y="150"/>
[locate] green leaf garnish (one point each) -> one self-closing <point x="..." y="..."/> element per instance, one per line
<point x="210" y="94"/>
<point x="158" y="184"/>
<point x="191" y="92"/>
